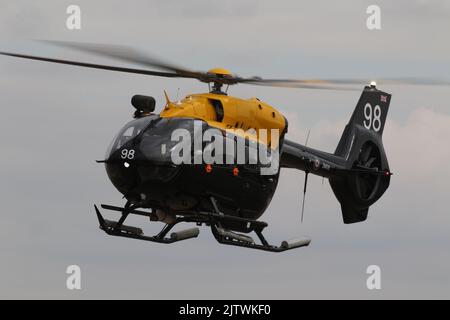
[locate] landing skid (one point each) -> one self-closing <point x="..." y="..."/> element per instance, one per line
<point x="232" y="238"/>
<point x="235" y="239"/>
<point x="118" y="229"/>
<point x="215" y="220"/>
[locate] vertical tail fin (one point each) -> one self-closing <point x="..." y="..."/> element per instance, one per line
<point x="362" y="147"/>
<point x="370" y="114"/>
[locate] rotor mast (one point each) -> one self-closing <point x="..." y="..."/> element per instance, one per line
<point x="219" y="74"/>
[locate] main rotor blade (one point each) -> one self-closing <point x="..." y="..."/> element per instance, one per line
<point x="125" y="54"/>
<point x="204" y="77"/>
<point x="415" y="81"/>
<point x="131" y="55"/>
<point x="97" y="66"/>
<point x="296" y="84"/>
<point x="339" y="84"/>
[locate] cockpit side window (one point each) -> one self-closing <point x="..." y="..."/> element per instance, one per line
<point x="129" y="131"/>
<point x="126" y="136"/>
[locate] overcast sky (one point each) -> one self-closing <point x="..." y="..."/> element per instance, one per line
<point x="57" y="120"/>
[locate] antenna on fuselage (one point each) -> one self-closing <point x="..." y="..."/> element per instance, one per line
<point x="304" y="194"/>
<point x="307" y="137"/>
<point x="306" y="181"/>
<point x="167" y="97"/>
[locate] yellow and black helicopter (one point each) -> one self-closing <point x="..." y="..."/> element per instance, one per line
<point x="224" y="193"/>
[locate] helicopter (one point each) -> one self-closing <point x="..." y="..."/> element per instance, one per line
<point x="224" y="194"/>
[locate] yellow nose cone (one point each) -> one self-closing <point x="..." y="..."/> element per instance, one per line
<point x="220" y="72"/>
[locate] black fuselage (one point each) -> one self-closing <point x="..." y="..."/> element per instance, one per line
<point x="140" y="166"/>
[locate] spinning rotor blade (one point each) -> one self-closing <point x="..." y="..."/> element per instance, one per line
<point x="125" y="54"/>
<point x="366" y="154"/>
<point x="95" y="66"/>
<point x="339" y="84"/>
<point x="131" y="55"/>
<point x="369" y="162"/>
<point x="416" y="81"/>
<point x="296" y="84"/>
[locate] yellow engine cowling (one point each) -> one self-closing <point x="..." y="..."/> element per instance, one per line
<point x="237" y="116"/>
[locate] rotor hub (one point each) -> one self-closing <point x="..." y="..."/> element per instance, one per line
<point x="220" y="72"/>
<point x="219" y="77"/>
